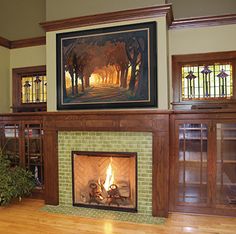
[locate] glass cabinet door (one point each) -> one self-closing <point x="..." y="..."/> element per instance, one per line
<point x="226" y="164"/>
<point x="9" y="142"/>
<point x="192" y="164"/>
<point x="34" y="152"/>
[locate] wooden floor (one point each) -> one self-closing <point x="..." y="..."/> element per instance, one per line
<point x="25" y="217"/>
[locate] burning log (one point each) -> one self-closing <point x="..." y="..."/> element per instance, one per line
<point x="124" y="188"/>
<point x="95" y="193"/>
<point x="114" y="195"/>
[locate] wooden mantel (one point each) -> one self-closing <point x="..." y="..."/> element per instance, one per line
<point x="156" y="122"/>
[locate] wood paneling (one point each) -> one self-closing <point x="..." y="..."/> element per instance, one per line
<point x="51" y="166"/>
<point x="111" y="17"/>
<point x="204" y="21"/>
<point x="160" y="175"/>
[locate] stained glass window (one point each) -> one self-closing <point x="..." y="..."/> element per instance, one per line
<point x="34" y="89"/>
<point x="211" y="81"/>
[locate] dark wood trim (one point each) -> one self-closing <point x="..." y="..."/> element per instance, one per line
<point x="204" y="57"/>
<point x="111" y="17"/>
<point x="51" y="176"/>
<point x="17" y="73"/>
<point x="160" y="174"/>
<point x="203" y="21"/>
<point x="172" y="163"/>
<point x="5" y="43"/>
<point x="36" y="41"/>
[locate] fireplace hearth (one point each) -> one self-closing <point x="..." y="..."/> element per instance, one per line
<point x="106" y="180"/>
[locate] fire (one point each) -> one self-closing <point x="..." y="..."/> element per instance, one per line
<point x="109" y="177"/>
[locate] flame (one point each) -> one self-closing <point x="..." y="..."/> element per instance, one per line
<point x="109" y="177"/>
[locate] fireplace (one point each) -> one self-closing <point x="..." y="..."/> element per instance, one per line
<point x="106" y="180"/>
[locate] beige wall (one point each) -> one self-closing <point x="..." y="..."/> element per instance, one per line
<point x="19" y="19"/>
<point x="162" y="62"/>
<point x="75" y="8"/>
<point x="201" y="40"/>
<point x="193" y="8"/>
<point x="4" y="79"/>
<point x="26" y="57"/>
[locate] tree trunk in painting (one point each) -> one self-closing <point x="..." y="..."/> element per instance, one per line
<point x="125" y="78"/>
<point x="133" y="77"/>
<point x="82" y="84"/>
<point x="76" y="86"/>
<point x="142" y="91"/>
<point x="86" y="78"/>
<point x="122" y="78"/>
<point x="64" y="88"/>
<point x="72" y="81"/>
<point x="118" y="77"/>
<point x="132" y="50"/>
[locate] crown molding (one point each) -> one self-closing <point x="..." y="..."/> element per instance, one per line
<point x="111" y="17"/>
<point x="5" y="43"/>
<point x="203" y="21"/>
<point x="35" y="41"/>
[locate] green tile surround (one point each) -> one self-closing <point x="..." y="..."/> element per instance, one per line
<point x="140" y="142"/>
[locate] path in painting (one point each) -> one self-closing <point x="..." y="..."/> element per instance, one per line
<point x="103" y="93"/>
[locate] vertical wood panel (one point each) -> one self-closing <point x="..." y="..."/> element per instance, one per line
<point x="51" y="167"/>
<point x="160" y="174"/>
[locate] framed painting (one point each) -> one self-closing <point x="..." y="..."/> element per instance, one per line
<point x="105" y="68"/>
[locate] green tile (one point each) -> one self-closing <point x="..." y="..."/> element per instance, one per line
<point x="104" y="214"/>
<point x="107" y="141"/>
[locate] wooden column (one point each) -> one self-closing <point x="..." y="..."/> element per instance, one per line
<point x="51" y="164"/>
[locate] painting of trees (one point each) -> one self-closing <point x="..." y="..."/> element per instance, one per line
<point x="110" y="66"/>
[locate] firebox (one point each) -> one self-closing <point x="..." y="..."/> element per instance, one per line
<point x="106" y="180"/>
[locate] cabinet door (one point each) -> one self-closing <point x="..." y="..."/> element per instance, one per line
<point x="226" y="164"/>
<point x="10" y="143"/>
<point x="33" y="152"/>
<point x="192" y="164"/>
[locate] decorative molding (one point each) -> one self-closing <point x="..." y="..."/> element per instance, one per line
<point x="36" y="41"/>
<point x="5" y="43"/>
<point x="111" y="17"/>
<point x="203" y="21"/>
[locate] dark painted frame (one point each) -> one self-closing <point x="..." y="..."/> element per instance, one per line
<point x="151" y="54"/>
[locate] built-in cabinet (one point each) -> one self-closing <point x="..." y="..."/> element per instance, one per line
<point x="226" y="164"/>
<point x="203" y="164"/>
<point x="198" y="177"/>
<point x="22" y="143"/>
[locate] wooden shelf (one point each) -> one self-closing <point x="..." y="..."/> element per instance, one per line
<point x="194" y="129"/>
<point x="194" y="138"/>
